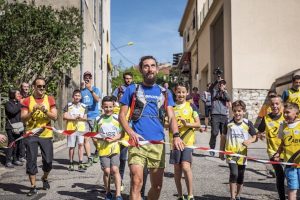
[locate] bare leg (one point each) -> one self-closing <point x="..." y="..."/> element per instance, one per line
<point x="115" y="172"/>
<point x="292" y="194"/>
<point x="186" y="168"/>
<point x="106" y="174"/>
<point x="156" y="179"/>
<point x="233" y="189"/>
<point x="177" y="178"/>
<point x="80" y="152"/>
<point x="71" y="153"/>
<point x="87" y="146"/>
<point x="136" y="175"/>
<point x="32" y="179"/>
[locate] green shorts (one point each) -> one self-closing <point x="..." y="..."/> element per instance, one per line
<point x="150" y="156"/>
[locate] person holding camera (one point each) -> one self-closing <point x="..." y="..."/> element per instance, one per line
<point x="91" y="98"/>
<point x="219" y="108"/>
<point x="14" y="129"/>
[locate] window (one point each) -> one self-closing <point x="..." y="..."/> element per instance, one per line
<point x="194" y="20"/>
<point x="187" y="36"/>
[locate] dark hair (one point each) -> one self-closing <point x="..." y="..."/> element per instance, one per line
<point x="76" y="91"/>
<point x="292" y="106"/>
<point x="222" y="82"/>
<point x="195" y="88"/>
<point x="127" y="74"/>
<point x="107" y="99"/>
<point x="146" y="58"/>
<point x="181" y="84"/>
<point x="208" y="84"/>
<point x="114" y="98"/>
<point x="38" y="78"/>
<point x="12" y="93"/>
<point x="239" y="103"/>
<point x="296" y="77"/>
<point x="188" y="97"/>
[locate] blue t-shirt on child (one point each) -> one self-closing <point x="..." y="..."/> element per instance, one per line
<point x="92" y="105"/>
<point x="149" y="128"/>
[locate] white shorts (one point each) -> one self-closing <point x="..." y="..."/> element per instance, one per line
<point x="71" y="140"/>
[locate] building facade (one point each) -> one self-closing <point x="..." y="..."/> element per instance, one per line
<point x="254" y="42"/>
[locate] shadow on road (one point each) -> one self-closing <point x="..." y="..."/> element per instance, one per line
<point x="213" y="197"/>
<point x="62" y="161"/>
<point x="262" y="186"/>
<point x="15" y="188"/>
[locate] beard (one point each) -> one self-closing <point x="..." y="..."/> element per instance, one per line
<point x="149" y="81"/>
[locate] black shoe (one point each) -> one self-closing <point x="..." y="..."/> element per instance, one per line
<point x="46" y="185"/>
<point x="32" y="191"/>
<point x="17" y="163"/>
<point x="9" y="165"/>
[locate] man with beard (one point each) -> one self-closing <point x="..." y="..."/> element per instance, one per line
<point x="292" y="95"/>
<point x="127" y="77"/>
<point x="149" y="99"/>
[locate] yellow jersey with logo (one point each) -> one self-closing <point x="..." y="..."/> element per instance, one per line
<point x="116" y="111"/>
<point x="236" y="134"/>
<point x="188" y="112"/>
<point x="294" y="97"/>
<point x="75" y="110"/>
<point x="272" y="130"/>
<point x="108" y="126"/>
<point x="290" y="136"/>
<point x="39" y="118"/>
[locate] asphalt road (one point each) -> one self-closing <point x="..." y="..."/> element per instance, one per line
<point x="210" y="178"/>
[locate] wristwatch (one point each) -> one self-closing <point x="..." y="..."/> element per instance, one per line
<point x="176" y="135"/>
<point x="91" y="91"/>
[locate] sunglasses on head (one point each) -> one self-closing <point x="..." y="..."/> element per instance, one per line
<point x="41" y="86"/>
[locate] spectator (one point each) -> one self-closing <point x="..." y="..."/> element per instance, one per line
<point x="196" y="97"/>
<point x="292" y="95"/>
<point x="14" y="155"/>
<point x="206" y="98"/>
<point x="24" y="90"/>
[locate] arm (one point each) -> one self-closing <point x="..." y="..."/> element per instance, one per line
<point x="95" y="94"/>
<point x="2" y="138"/>
<point x="252" y="132"/>
<point x="52" y="114"/>
<point x="196" y="124"/>
<point x="276" y="156"/>
<point x="115" y="138"/>
<point x="177" y="141"/>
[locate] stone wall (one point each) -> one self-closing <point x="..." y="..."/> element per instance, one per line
<point x="254" y="99"/>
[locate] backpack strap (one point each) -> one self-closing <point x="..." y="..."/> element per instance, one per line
<point x="133" y="101"/>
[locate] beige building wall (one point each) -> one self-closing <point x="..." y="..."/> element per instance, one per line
<point x="265" y="41"/>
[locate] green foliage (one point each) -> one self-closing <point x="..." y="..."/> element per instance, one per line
<point x="37" y="41"/>
<point x="137" y="77"/>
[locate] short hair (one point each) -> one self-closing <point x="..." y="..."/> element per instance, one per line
<point x="188" y="97"/>
<point x="239" y="103"/>
<point x="127" y="74"/>
<point x="114" y="98"/>
<point x="222" y="82"/>
<point x="272" y="92"/>
<point x="146" y="58"/>
<point x="38" y="78"/>
<point x="296" y="77"/>
<point x="107" y="99"/>
<point x="195" y="88"/>
<point x="181" y="84"/>
<point x="75" y="92"/>
<point x="12" y="93"/>
<point x="292" y="106"/>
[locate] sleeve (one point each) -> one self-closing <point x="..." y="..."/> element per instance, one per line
<point x="115" y="93"/>
<point x="196" y="112"/>
<point x="51" y="101"/>
<point x="225" y="128"/>
<point x="170" y="99"/>
<point x="226" y="96"/>
<point x="66" y="108"/>
<point x="97" y="91"/>
<point x="262" y="126"/>
<point x="252" y="130"/>
<point x="25" y="103"/>
<point x="285" y="95"/>
<point x="126" y="98"/>
<point x="11" y="109"/>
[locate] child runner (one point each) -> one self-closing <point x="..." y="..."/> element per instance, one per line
<point x="187" y="119"/>
<point x="268" y="129"/>
<point x="290" y="147"/>
<point x="75" y="113"/>
<point x="235" y="138"/>
<point x="109" y="148"/>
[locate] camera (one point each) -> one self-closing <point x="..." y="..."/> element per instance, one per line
<point x="218" y="71"/>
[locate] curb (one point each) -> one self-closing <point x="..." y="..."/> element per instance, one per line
<point x="57" y="146"/>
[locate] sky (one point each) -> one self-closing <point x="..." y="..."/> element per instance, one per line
<point x="152" y="25"/>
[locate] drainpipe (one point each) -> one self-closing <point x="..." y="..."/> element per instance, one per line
<point x="81" y="40"/>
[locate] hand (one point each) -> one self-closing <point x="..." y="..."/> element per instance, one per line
<point x="108" y="139"/>
<point x="178" y="143"/>
<point x="276" y="157"/>
<point x="184" y="123"/>
<point x="88" y="85"/>
<point x="35" y="108"/>
<point x="134" y="138"/>
<point x="201" y="129"/>
<point x="221" y="156"/>
<point x="43" y="109"/>
<point x="2" y="138"/>
<point x="261" y="136"/>
<point x="247" y="143"/>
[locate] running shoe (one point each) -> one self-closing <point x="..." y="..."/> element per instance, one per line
<point x="71" y="167"/>
<point x="212" y="153"/>
<point x="109" y="196"/>
<point x="81" y="168"/>
<point x="46" y="185"/>
<point x="118" y="198"/>
<point x="122" y="187"/>
<point x="96" y="159"/>
<point x="32" y="191"/>
<point x="181" y="198"/>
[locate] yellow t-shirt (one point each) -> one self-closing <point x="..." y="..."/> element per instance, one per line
<point x="236" y="134"/>
<point x="294" y="97"/>
<point x="189" y="113"/>
<point x="271" y="130"/>
<point x="290" y="135"/>
<point x="116" y="111"/>
<point x="76" y="110"/>
<point x="39" y="119"/>
<point x="110" y="127"/>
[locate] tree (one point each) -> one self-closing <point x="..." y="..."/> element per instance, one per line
<point x="137" y="77"/>
<point x="37" y="41"/>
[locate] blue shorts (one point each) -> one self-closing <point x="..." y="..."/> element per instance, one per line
<point x="207" y="111"/>
<point x="293" y="178"/>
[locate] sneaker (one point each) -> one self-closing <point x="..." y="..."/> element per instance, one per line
<point x="272" y="173"/>
<point x="17" y="163"/>
<point x="212" y="153"/>
<point x="22" y="159"/>
<point x="109" y="196"/>
<point x="46" y="185"/>
<point x="71" y="167"/>
<point x="190" y="198"/>
<point x="32" y="191"/>
<point x="89" y="162"/>
<point x="96" y="159"/>
<point x="81" y="168"/>
<point x="9" y="165"/>
<point x="118" y="198"/>
<point x="122" y="187"/>
<point x="181" y="198"/>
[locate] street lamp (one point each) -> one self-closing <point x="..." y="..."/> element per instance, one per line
<point x="125" y="45"/>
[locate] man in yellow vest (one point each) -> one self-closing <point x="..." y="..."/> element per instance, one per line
<point x="292" y="95"/>
<point x="37" y="111"/>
